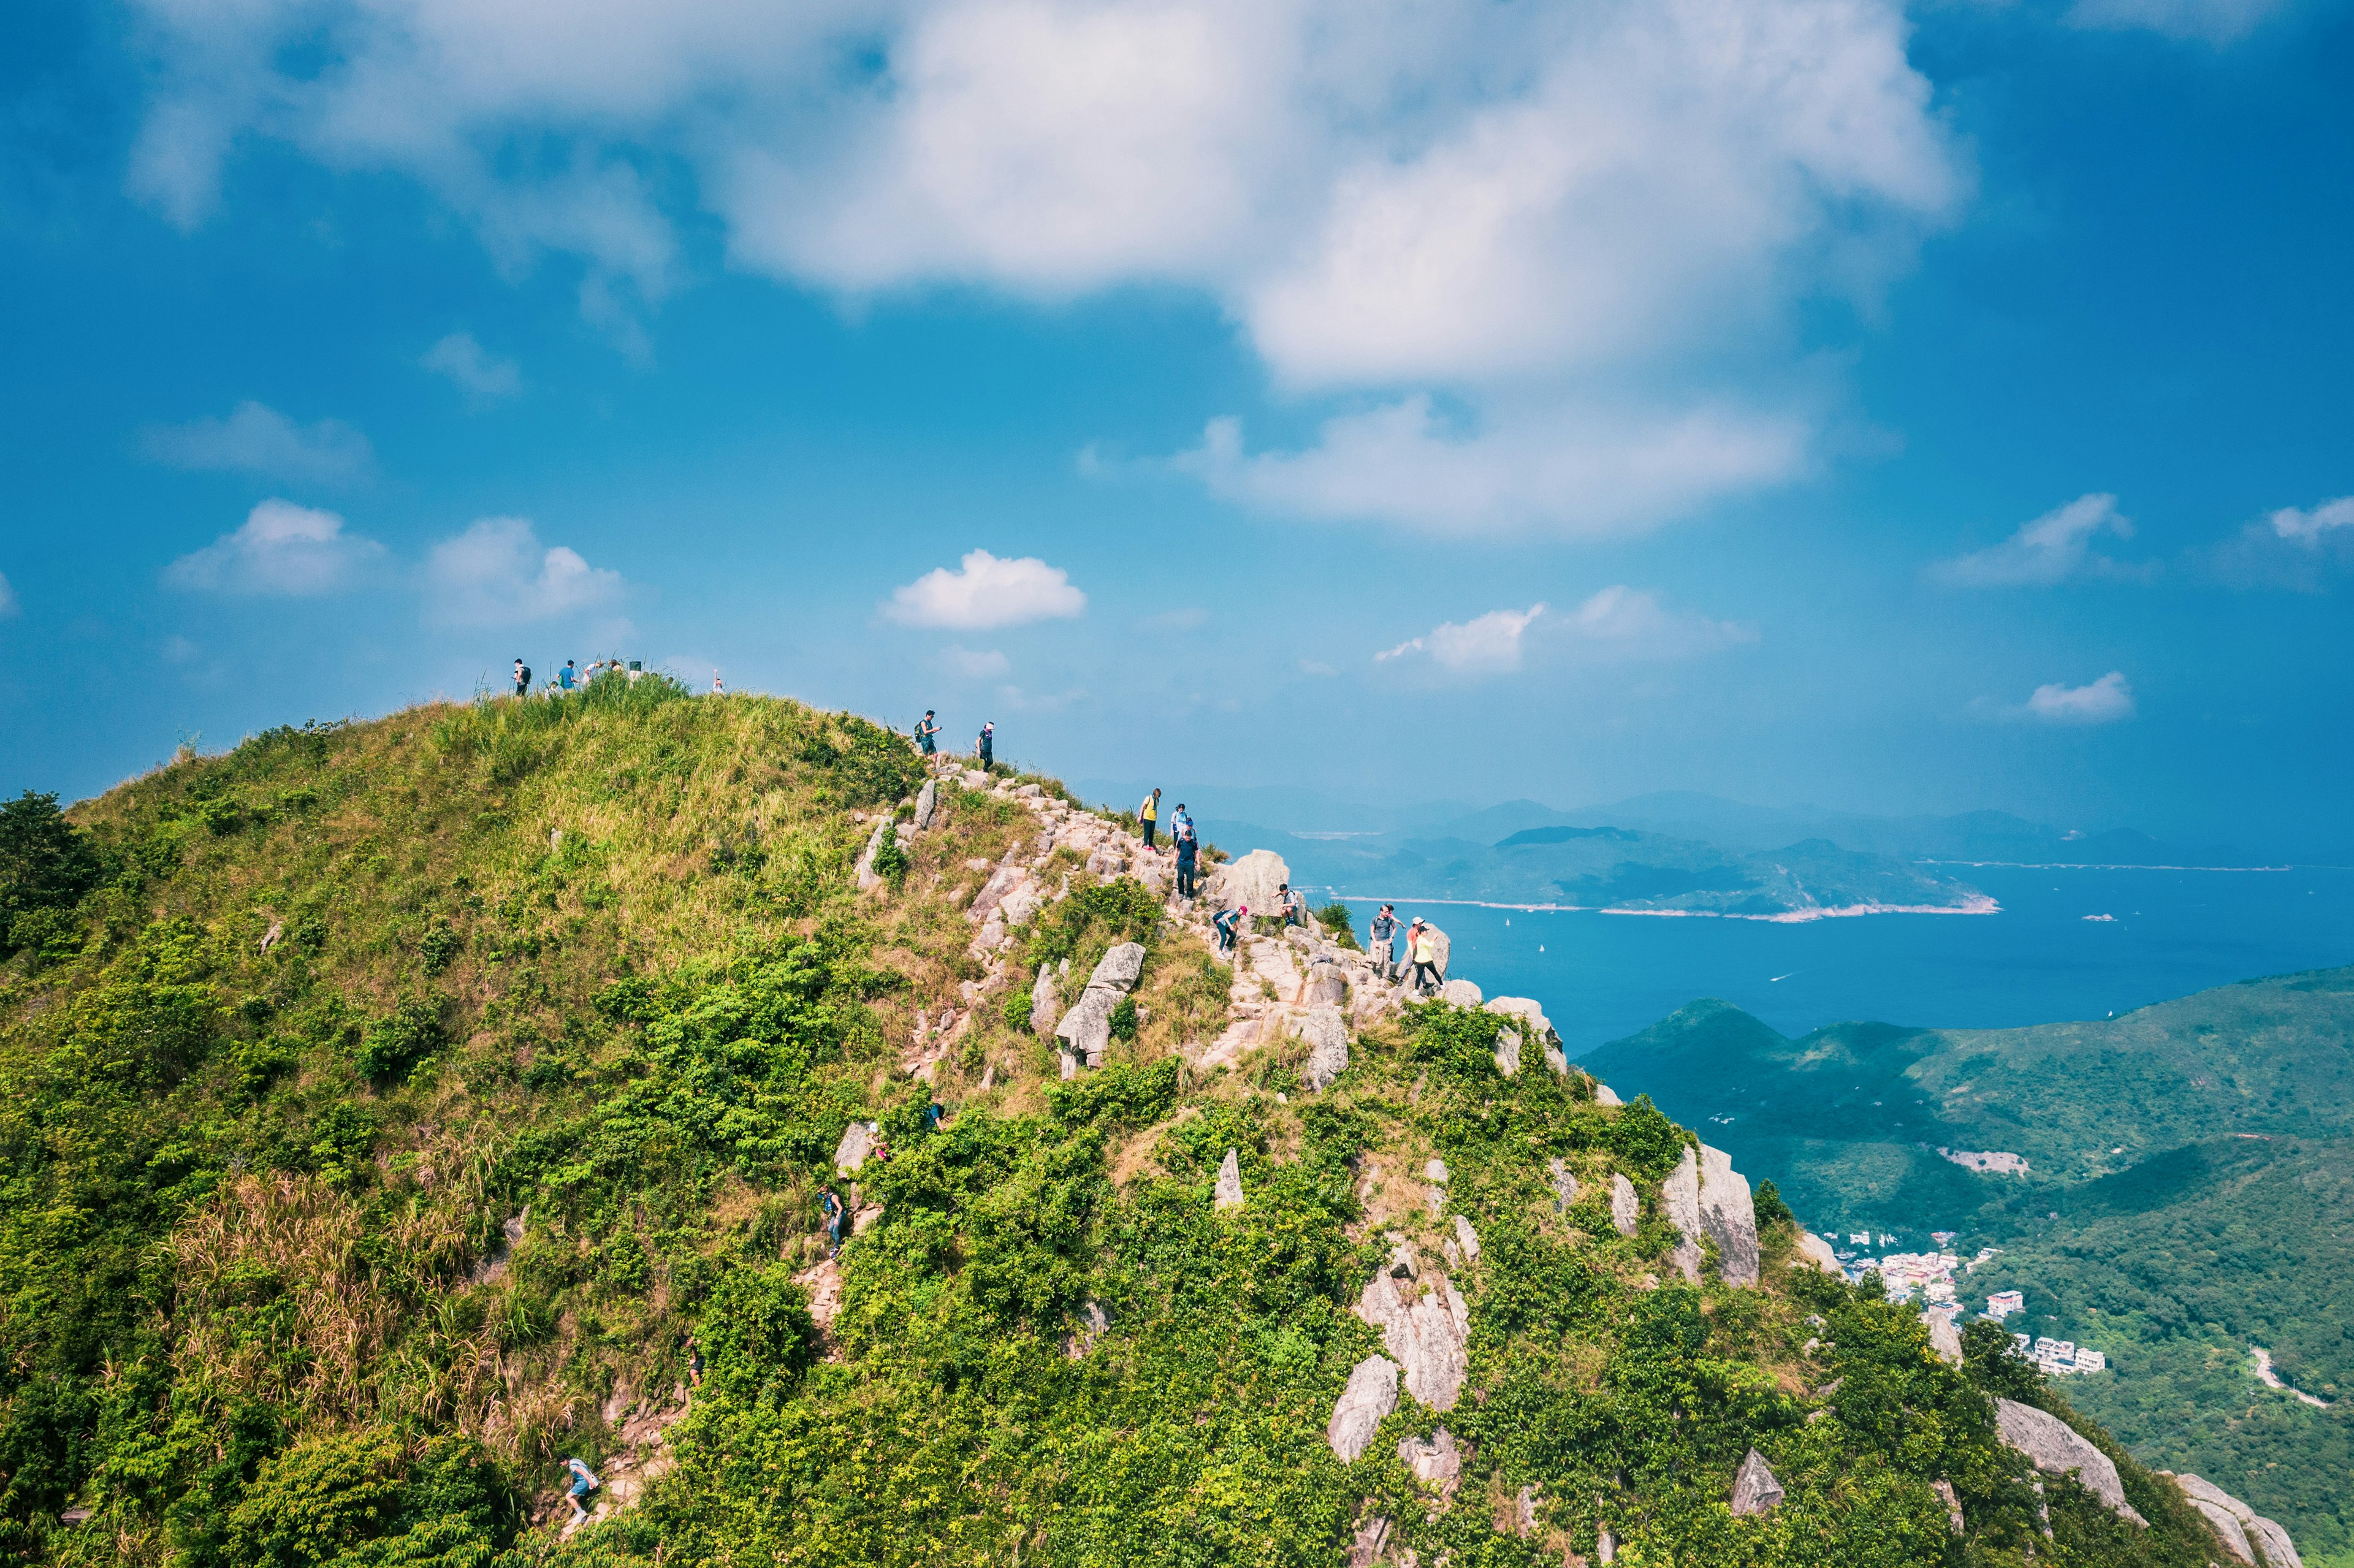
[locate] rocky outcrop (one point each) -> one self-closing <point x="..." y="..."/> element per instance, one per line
<point x="1328" y="1047"/>
<point x="1565" y="1185"/>
<point x="1371" y="1545"/>
<point x="1364" y="1405"/>
<point x="1756" y="1493"/>
<point x="2058" y="1449"/>
<point x="1944" y="1338"/>
<point x="857" y="1143"/>
<point x="1466" y="1239"/>
<point x="867" y="877"/>
<point x="1086" y="1030"/>
<point x="1604" y="1094"/>
<point x="927" y="804"/>
<point x="1955" y="1524"/>
<point x="1459" y="994"/>
<point x="1728" y="1216"/>
<point x="1508" y="1053"/>
<point x="1229" y="1192"/>
<point x="1046" y="1007"/>
<point x="1535" y="1026"/>
<point x="1680" y="1198"/>
<point x="1813" y="1249"/>
<point x="2239" y="1525"/>
<point x="1434" y="1461"/>
<point x="1252" y="881"/>
<point x="1425" y="1326"/>
<point x="1624" y="1208"/>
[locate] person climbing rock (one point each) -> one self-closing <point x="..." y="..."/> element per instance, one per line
<point x="1188" y="847"/>
<point x="1289" y="907"/>
<point x="832" y="1208"/>
<point x="1149" y="814"/>
<point x="1382" y="933"/>
<point x="986" y="745"/>
<point x="1426" y="956"/>
<point x="925" y="731"/>
<point x="521" y="677"/>
<point x="584" y="1481"/>
<point x="1226" y="923"/>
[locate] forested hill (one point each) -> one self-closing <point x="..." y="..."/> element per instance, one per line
<point x="2189" y="1193"/>
<point x="390" y="1112"/>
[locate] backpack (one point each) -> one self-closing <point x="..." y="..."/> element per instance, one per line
<point x="524" y="679"/>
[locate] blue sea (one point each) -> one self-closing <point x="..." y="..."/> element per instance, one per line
<point x="2045" y="959"/>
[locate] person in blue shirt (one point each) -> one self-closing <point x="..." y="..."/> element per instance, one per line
<point x="1226" y="923"/>
<point x="1384" y="934"/>
<point x="925" y="731"/>
<point x="584" y="1481"/>
<point x="987" y="746"/>
<point x="568" y="675"/>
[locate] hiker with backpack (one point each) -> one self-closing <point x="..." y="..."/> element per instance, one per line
<point x="1227" y="923"/>
<point x="924" y="730"/>
<point x="986" y="745"/>
<point x="521" y="677"/>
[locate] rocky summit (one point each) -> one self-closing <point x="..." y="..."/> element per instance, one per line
<point x="853" y="1159"/>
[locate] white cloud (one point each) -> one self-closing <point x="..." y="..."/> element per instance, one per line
<point x="497" y="570"/>
<point x="2290" y="548"/>
<point x="483" y="377"/>
<point x="976" y="665"/>
<point x="256" y="438"/>
<point x="281" y="549"/>
<point x="1523" y="206"/>
<point x="1631" y="624"/>
<point x="2311" y="528"/>
<point x="1555" y="471"/>
<point x="9" y="607"/>
<point x="1486" y="644"/>
<point x="2212" y="21"/>
<point x="986" y="592"/>
<point x="2104" y="701"/>
<point x="2050" y="550"/>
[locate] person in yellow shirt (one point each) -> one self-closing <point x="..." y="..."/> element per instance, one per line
<point x="1425" y="958"/>
<point x="1149" y="814"/>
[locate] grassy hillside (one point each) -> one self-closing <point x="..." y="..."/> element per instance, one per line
<point x="386" y="1105"/>
<point x="2188" y="1198"/>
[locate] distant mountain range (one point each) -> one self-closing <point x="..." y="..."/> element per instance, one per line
<point x="2188" y="1195"/>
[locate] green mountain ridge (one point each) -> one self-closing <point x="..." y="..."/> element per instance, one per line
<point x="393" y="1111"/>
<point x="2187" y="1197"/>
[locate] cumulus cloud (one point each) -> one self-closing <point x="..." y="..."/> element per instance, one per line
<point x="256" y="438"/>
<point x="483" y="377"/>
<point x="1556" y="471"/>
<point x="2294" y="547"/>
<point x="281" y="550"/>
<point x="2048" y="550"/>
<point x="1630" y="623"/>
<point x="1387" y="196"/>
<point x="2104" y="701"/>
<point x="986" y="592"/>
<point x="975" y="664"/>
<point x="9" y="607"/>
<point x="497" y="570"/>
<point x="1484" y="645"/>
<point x="2211" y="21"/>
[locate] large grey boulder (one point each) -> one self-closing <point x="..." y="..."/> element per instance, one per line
<point x="1459" y="994"/>
<point x="1252" y="881"/>
<point x="1813" y="1249"/>
<point x="1327" y="984"/>
<point x="867" y="877"/>
<point x="1371" y="1545"/>
<point x="2210" y="1499"/>
<point x="2057" y="1448"/>
<point x="1046" y="1007"/>
<point x="1364" y="1405"/>
<point x="1467" y="1238"/>
<point x="1565" y="1185"/>
<point x="1086" y="1028"/>
<point x="1002" y="880"/>
<point x="1508" y="1053"/>
<point x="857" y="1143"/>
<point x="1756" y="1493"/>
<point x="1680" y="1198"/>
<point x="1120" y="968"/>
<point x="1426" y="1327"/>
<point x="1521" y="1007"/>
<point x="1327" y="1034"/>
<point x="1434" y="1461"/>
<point x="928" y="802"/>
<point x="1229" y="1194"/>
<point x="1944" y="1338"/>
<point x="1728" y="1216"/>
<point x="1441" y="949"/>
<point x="1604" y="1094"/>
<point x="1624" y="1208"/>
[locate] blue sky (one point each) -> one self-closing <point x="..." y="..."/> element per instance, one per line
<point x="1800" y="400"/>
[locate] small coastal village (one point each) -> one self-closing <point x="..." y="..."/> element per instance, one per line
<point x="1935" y="1279"/>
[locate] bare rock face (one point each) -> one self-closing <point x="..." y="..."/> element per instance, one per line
<point x="928" y="802"/>
<point x="1680" y="1196"/>
<point x="1530" y="1013"/>
<point x="1120" y="968"/>
<point x="1327" y="984"/>
<point x="2212" y="1500"/>
<point x="1426" y="1327"/>
<point x="1364" y="1405"/>
<point x="866" y="874"/>
<point x="1229" y="1194"/>
<point x="1604" y="1094"/>
<point x="1046" y="1007"/>
<point x="1813" y="1249"/>
<point x="1756" y="1493"/>
<point x="857" y="1143"/>
<point x="1945" y="1493"/>
<point x="974" y="778"/>
<point x="1434" y="1461"/>
<point x="1507" y="1047"/>
<point x="1565" y="1185"/>
<point x="2057" y="1448"/>
<point x="1624" y="1208"/>
<point x="1086" y="1028"/>
<point x="1439" y="950"/>
<point x="1467" y="1238"/>
<point x="1371" y="1544"/>
<point x="1252" y="881"/>
<point x="1328" y="1047"/>
<point x="1944" y="1338"/>
<point x="1459" y="994"/>
<point x="1002" y="880"/>
<point x="1728" y="1216"/>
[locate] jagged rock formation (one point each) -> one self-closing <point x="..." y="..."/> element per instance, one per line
<point x="1944" y="1338"/>
<point x="1328" y="1047"/>
<point x="1229" y="1192"/>
<point x="1564" y="1184"/>
<point x="1459" y="994"/>
<point x="1046" y="1007"/>
<point x="867" y="877"/>
<point x="857" y="1143"/>
<point x="1680" y="1199"/>
<point x="1252" y="881"/>
<point x="1728" y="1216"/>
<point x="1364" y="1405"/>
<point x="927" y="804"/>
<point x="1434" y="1461"/>
<point x="2239" y="1525"/>
<point x="1467" y="1238"/>
<point x="1425" y="1325"/>
<point x="1754" y="1489"/>
<point x="2057" y="1448"/>
<point x="1813" y="1249"/>
<point x="1086" y="1030"/>
<point x="1624" y="1208"/>
<point x="1508" y="1051"/>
